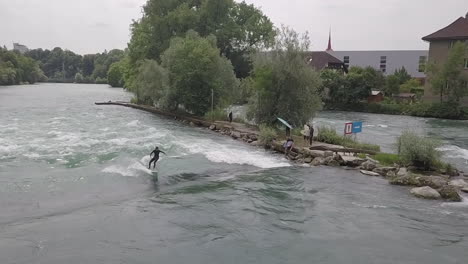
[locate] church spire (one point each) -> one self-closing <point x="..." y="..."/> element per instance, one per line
<point x="329" y="48"/>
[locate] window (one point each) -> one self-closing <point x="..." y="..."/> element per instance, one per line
<point x="383" y="68"/>
<point x="383" y="59"/>
<point x="346" y="60"/>
<point x="422" y="63"/>
<point x="466" y="64"/>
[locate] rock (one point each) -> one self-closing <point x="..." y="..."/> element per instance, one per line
<point x="435" y="182"/>
<point x="460" y="184"/>
<point x="317" y="161"/>
<point x="370" y="173"/>
<point x="372" y="160"/>
<point x="384" y="170"/>
<point x="352" y="161"/>
<point x="328" y="153"/>
<point x="253" y="137"/>
<point x="368" y="165"/>
<point x="308" y="160"/>
<point x="402" y="171"/>
<point x="235" y="134"/>
<point x="255" y="143"/>
<point x="390" y="174"/>
<point x="333" y="163"/>
<point x="425" y="192"/>
<point x="464" y="190"/>
<point x="213" y="127"/>
<point x="327" y="160"/>
<point x="450" y="193"/>
<point x="249" y="141"/>
<point x="192" y="124"/>
<point x="407" y="180"/>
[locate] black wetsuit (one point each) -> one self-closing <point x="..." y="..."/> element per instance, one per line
<point x="155" y="158"/>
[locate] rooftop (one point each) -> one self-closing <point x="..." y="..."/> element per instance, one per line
<point x="458" y="30"/>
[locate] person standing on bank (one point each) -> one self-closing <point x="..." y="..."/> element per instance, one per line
<point x="230" y="117"/>
<point x="311" y="135"/>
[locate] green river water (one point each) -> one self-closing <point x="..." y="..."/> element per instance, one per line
<point x="74" y="189"/>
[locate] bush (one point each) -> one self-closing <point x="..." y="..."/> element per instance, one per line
<point x="415" y="150"/>
<point x="329" y="135"/>
<point x="217" y="115"/>
<point x="267" y="134"/>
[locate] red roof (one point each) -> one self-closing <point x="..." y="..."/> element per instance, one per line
<point x="458" y="30"/>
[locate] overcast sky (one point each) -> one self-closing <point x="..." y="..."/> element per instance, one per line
<point x="90" y="26"/>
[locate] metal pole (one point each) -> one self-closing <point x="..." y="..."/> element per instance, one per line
<point x="212" y="105"/>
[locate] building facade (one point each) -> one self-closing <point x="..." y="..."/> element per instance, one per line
<point x="387" y="61"/>
<point x="21" y="48"/>
<point x="440" y="43"/>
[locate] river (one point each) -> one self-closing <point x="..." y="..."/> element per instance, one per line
<point x="74" y="189"/>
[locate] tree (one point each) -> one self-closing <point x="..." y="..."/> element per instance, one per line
<point x="392" y="85"/>
<point x="115" y="76"/>
<point x="447" y="79"/>
<point x="16" y="68"/>
<point x="152" y="83"/>
<point x="333" y="86"/>
<point x="195" y="70"/>
<point x="410" y="86"/>
<point x="402" y="75"/>
<point x="79" y="77"/>
<point x="238" y="28"/>
<point x="284" y="85"/>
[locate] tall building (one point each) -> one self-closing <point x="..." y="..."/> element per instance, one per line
<point x="21" y="48"/>
<point x="387" y="61"/>
<point x="441" y="42"/>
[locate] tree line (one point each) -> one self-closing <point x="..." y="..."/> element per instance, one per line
<point x="16" y="68"/>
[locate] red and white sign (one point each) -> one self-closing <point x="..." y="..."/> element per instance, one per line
<point x="348" y="129"/>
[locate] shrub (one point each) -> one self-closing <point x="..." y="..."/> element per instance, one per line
<point x="267" y="134"/>
<point x="217" y="115"/>
<point x="329" y="135"/>
<point x="418" y="151"/>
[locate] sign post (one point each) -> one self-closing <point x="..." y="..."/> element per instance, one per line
<point x="353" y="128"/>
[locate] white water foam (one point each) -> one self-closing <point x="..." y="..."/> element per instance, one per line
<point x="134" y="123"/>
<point x="222" y="153"/>
<point x="134" y="170"/>
<point x="452" y="151"/>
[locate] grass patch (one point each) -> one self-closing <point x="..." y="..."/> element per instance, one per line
<point x="387" y="159"/>
<point x="329" y="135"/>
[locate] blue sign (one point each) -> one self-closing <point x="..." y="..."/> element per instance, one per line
<point x="357" y="127"/>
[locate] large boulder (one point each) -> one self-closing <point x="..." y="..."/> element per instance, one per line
<point x="425" y="192"/>
<point x="407" y="180"/>
<point x="385" y="170"/>
<point x="435" y="182"/>
<point x="235" y="134"/>
<point x="352" y="161"/>
<point x="369" y="173"/>
<point x="402" y="171"/>
<point x="328" y="153"/>
<point x="450" y="193"/>
<point x="308" y="160"/>
<point x="368" y="165"/>
<point x="460" y="184"/>
<point x="317" y="161"/>
<point x="213" y="127"/>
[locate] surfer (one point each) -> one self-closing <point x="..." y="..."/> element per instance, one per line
<point x="155" y="159"/>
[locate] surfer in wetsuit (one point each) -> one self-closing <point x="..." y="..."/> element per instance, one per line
<point x="156" y="152"/>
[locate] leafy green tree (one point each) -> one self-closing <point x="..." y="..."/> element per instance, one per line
<point x="410" y="86"/>
<point x="115" y="76"/>
<point x="16" y="68"/>
<point x="238" y="28"/>
<point x="79" y="78"/>
<point x="152" y="84"/>
<point x="284" y="85"/>
<point x="195" y="70"/>
<point x="447" y="79"/>
<point x="392" y="85"/>
<point x="402" y="75"/>
<point x="333" y="86"/>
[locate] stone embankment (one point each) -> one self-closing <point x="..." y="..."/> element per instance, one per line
<point x="430" y="187"/>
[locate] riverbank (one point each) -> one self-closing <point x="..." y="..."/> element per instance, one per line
<point x="436" y="110"/>
<point x="429" y="185"/>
